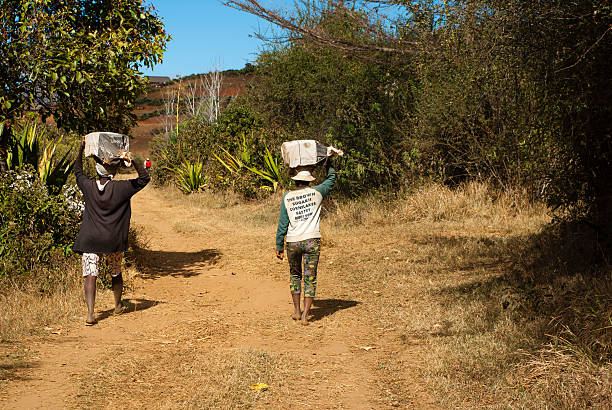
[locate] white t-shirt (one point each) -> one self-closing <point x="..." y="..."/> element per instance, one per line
<point x="304" y="212"/>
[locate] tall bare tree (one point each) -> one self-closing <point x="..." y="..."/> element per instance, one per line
<point x="170" y="109"/>
<point x="194" y="92"/>
<point x="212" y="84"/>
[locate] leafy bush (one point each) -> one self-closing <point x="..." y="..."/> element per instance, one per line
<point x="307" y="93"/>
<point x="35" y="226"/>
<point x="238" y="133"/>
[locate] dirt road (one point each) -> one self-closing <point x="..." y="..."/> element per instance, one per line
<point x="209" y="315"/>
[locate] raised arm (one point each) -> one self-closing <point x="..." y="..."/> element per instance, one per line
<point x="326" y="186"/>
<point x="78" y="166"/>
<point x="281" y="230"/>
<point x="143" y="176"/>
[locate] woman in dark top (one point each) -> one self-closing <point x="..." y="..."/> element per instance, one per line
<point x="106" y="222"/>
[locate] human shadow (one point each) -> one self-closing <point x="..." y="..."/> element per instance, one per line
<point x="156" y="264"/>
<point x="130" y="306"/>
<point x="325" y="307"/>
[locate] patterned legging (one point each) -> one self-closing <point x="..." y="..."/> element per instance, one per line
<point x="306" y="252"/>
<point x="91" y="263"/>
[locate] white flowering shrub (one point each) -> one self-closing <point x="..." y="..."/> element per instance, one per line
<point x="35" y="227"/>
<point x="73" y="198"/>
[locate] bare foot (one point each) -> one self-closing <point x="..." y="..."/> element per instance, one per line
<point x="90" y="322"/>
<point x="120" y="308"/>
<point x="296" y="316"/>
<point x="305" y="322"/>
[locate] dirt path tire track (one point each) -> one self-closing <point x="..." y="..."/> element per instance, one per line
<point x="219" y="274"/>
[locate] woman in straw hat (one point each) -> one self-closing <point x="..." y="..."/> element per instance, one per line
<point x="299" y="219"/>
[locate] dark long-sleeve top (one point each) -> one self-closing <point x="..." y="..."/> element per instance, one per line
<point x="106" y="218"/>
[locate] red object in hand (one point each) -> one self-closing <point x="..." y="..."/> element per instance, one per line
<point x="147" y="164"/>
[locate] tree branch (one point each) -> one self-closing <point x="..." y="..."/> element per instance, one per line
<point x="318" y="35"/>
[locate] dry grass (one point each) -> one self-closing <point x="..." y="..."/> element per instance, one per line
<point x="563" y="377"/>
<point x="44" y="300"/>
<point x="188" y="227"/>
<point x="25" y="312"/>
<point x="444" y="273"/>
<point x="446" y="270"/>
<point x="40" y="305"/>
<point x="230" y="209"/>
<point x="28" y="306"/>
<point x="482" y="304"/>
<point x="194" y="376"/>
<point x="466" y="206"/>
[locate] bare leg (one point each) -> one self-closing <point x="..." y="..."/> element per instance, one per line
<point x="90" y="298"/>
<point x="307" y="305"/>
<point x="117" y="292"/>
<point x="297" y="312"/>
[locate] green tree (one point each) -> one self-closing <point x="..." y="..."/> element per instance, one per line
<point x="76" y="60"/>
<point x="308" y="91"/>
<point x="506" y="90"/>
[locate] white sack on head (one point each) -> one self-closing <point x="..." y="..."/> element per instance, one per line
<point x="306" y="152"/>
<point x="106" y="147"/>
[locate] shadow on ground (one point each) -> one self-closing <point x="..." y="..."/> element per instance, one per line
<point x="130" y="305"/>
<point x="156" y="264"/>
<point x="12" y="361"/>
<point x="325" y="307"/>
<point x="555" y="285"/>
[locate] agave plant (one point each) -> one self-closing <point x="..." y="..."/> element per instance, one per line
<point x="230" y="162"/>
<point x="270" y="172"/>
<point x="53" y="172"/>
<point x="23" y="147"/>
<point x="189" y="176"/>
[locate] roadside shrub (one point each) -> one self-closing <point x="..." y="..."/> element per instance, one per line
<point x="35" y="227"/>
<point x="238" y="132"/>
<point x="308" y="93"/>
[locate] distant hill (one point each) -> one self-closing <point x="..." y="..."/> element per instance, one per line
<point x="150" y="107"/>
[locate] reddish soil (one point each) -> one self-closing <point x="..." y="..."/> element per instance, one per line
<point x="219" y="275"/>
<point x="146" y="129"/>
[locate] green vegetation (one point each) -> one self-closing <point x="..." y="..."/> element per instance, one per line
<point x="502" y="91"/>
<point x="37" y="228"/>
<point x="75" y="60"/>
<point x="26" y="148"/>
<point x="40" y="208"/>
<point x="189" y="176"/>
<point x="234" y="152"/>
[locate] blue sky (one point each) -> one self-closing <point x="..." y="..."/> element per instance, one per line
<point x="205" y="31"/>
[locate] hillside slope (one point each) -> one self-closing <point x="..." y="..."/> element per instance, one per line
<point x="150" y="108"/>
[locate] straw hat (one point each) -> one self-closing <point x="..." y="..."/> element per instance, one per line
<point x="303" y="175"/>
